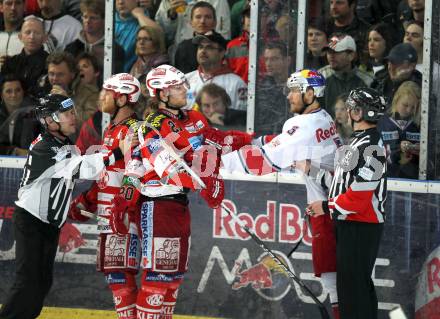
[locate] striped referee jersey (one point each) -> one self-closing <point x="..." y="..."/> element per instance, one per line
<point x="358" y="189"/>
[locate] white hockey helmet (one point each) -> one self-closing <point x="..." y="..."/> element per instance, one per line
<point x="124" y="83"/>
<point x="163" y="77"/>
<point x="307" y="78"/>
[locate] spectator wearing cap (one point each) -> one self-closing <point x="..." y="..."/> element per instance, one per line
<point x="30" y="64"/>
<point x="344" y="20"/>
<point x="237" y="54"/>
<point x="61" y="28"/>
<point x="91" y="37"/>
<point x="10" y="44"/>
<point x="414" y="36"/>
<point x="210" y="55"/>
<point x="18" y="126"/>
<point x="341" y="74"/>
<point x="316" y="41"/>
<point x="203" y="21"/>
<point x="174" y="17"/>
<point x="150" y="50"/>
<point x="129" y="16"/>
<point x="271" y="101"/>
<point x="402" y="61"/>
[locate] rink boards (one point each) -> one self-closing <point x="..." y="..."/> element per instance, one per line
<point x="229" y="276"/>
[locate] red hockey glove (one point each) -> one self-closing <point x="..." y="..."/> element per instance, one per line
<point x="214" y="192"/>
<point x="231" y="139"/>
<point x="78" y="204"/>
<point x="120" y="215"/>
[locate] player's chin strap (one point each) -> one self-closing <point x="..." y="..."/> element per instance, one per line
<point x="59" y="126"/>
<point x="169" y="106"/>
<point x="117" y="111"/>
<point x="306" y="105"/>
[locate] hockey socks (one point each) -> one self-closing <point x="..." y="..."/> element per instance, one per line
<point x="124" y="294"/>
<point x="156" y="300"/>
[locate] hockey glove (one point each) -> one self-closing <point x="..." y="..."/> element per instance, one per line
<point x="120" y="215"/>
<point x="78" y="204"/>
<point x="214" y="192"/>
<point x="227" y="141"/>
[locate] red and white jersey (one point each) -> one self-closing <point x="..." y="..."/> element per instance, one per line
<point x="307" y="137"/>
<point x="110" y="180"/>
<point x="153" y="165"/>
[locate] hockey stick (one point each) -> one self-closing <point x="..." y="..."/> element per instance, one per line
<point x="306" y="218"/>
<point x="290" y="274"/>
<point x="93" y="216"/>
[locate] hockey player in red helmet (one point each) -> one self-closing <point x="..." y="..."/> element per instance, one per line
<point x="118" y="255"/>
<point x="154" y="191"/>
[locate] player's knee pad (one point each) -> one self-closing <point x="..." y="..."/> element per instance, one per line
<point x="328" y="280"/>
<point x="124" y="289"/>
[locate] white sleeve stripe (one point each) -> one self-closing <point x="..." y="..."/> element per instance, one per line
<point x="364" y="186"/>
<point x="343" y="211"/>
<point x="242" y="162"/>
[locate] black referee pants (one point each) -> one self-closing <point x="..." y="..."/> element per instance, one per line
<point x="36" y="245"/>
<point x="357" y="245"/>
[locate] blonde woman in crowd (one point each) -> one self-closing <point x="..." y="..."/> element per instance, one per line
<point x="400" y="131"/>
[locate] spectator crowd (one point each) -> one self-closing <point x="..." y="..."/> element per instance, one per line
<point x="56" y="46"/>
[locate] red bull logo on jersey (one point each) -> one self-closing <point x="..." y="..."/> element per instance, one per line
<point x="323" y="134"/>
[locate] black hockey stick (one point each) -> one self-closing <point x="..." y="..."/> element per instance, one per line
<point x="306" y="217"/>
<point x="322" y="309"/>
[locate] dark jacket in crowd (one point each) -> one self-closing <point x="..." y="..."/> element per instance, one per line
<point x="29" y="68"/>
<point x="358" y="29"/>
<point x="338" y="83"/>
<point x="384" y="85"/>
<point x="185" y="58"/>
<point x="315" y="62"/>
<point x="97" y="49"/>
<point x="18" y="129"/>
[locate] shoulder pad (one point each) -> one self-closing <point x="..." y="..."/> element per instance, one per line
<point x="132" y="123"/>
<point x="154" y="119"/>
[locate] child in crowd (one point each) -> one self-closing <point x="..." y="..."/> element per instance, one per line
<point x="401" y="131"/>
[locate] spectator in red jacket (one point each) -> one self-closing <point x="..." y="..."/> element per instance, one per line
<point x="237" y="54"/>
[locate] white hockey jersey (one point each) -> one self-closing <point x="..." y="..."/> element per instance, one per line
<point x="232" y="83"/>
<point x="308" y="137"/>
